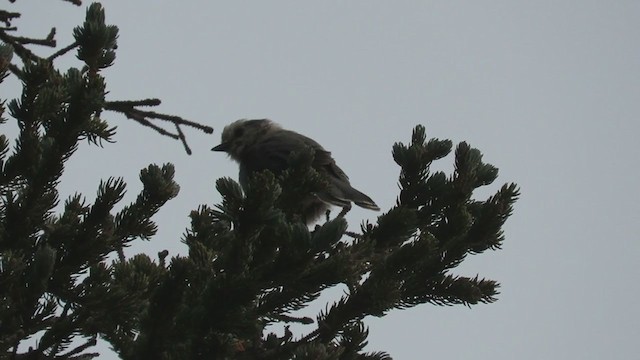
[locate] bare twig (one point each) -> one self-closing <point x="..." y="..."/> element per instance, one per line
<point x="91" y="342"/>
<point x="85" y="356"/>
<point x="24" y="53"/>
<point x="128" y="108"/>
<point x="178" y="120"/>
<point x="344" y="211"/>
<point x="292" y="319"/>
<point x="132" y="103"/>
<point x="121" y="257"/>
<point x="135" y="115"/>
<point x="183" y="139"/>
<point x="75" y="2"/>
<point x="63" y="51"/>
<point x="17" y="43"/>
<point x="15" y="70"/>
<point x="6" y="16"/>
<point x="44" y="42"/>
<point x="353" y="235"/>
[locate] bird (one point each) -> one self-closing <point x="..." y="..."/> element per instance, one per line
<point x="261" y="144"/>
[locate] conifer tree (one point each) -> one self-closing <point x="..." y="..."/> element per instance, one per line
<point x="251" y="261"/>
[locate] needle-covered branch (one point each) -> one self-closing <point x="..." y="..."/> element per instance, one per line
<point x="56" y="283"/>
<point x="252" y="262"/>
<point x="96" y="45"/>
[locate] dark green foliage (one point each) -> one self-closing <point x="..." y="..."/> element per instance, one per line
<point x="96" y="40"/>
<point x="54" y="272"/>
<point x="252" y="261"/>
<point x="251" y="264"/>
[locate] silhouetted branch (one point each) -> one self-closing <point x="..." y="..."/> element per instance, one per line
<point x="6" y="16"/>
<point x="183" y="139"/>
<point x="15" y="70"/>
<point x="91" y="342"/>
<point x="63" y="51"/>
<point x="48" y="41"/>
<point x="128" y="108"/>
<point x="353" y="235"/>
<point x="292" y="319"/>
<point x="24" y="53"/>
<point x="344" y="211"/>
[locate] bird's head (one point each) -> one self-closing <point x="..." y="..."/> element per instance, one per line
<point x="241" y="134"/>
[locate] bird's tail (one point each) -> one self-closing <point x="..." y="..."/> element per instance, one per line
<point x="343" y="194"/>
<point x="362" y="200"/>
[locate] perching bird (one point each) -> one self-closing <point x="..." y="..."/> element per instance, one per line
<point x="262" y="144"/>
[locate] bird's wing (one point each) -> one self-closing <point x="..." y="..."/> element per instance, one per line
<point x="273" y="153"/>
<point x="323" y="159"/>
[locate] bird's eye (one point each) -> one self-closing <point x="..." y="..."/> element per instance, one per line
<point x="238" y="132"/>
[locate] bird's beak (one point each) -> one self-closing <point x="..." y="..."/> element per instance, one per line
<point x="221" y="147"/>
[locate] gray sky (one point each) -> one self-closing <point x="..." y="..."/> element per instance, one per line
<point x="547" y="90"/>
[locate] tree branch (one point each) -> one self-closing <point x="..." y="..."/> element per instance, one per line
<point x="63" y="51"/>
<point x="128" y="108"/>
<point x="74" y="2"/>
<point x="6" y="16"/>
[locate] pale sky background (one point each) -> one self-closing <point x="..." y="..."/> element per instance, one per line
<point x="549" y="91"/>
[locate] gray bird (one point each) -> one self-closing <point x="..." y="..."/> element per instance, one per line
<point x="262" y="144"/>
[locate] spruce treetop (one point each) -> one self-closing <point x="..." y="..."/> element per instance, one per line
<point x="252" y="261"/>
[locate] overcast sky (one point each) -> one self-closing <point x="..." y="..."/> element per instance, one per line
<point x="549" y="91"/>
